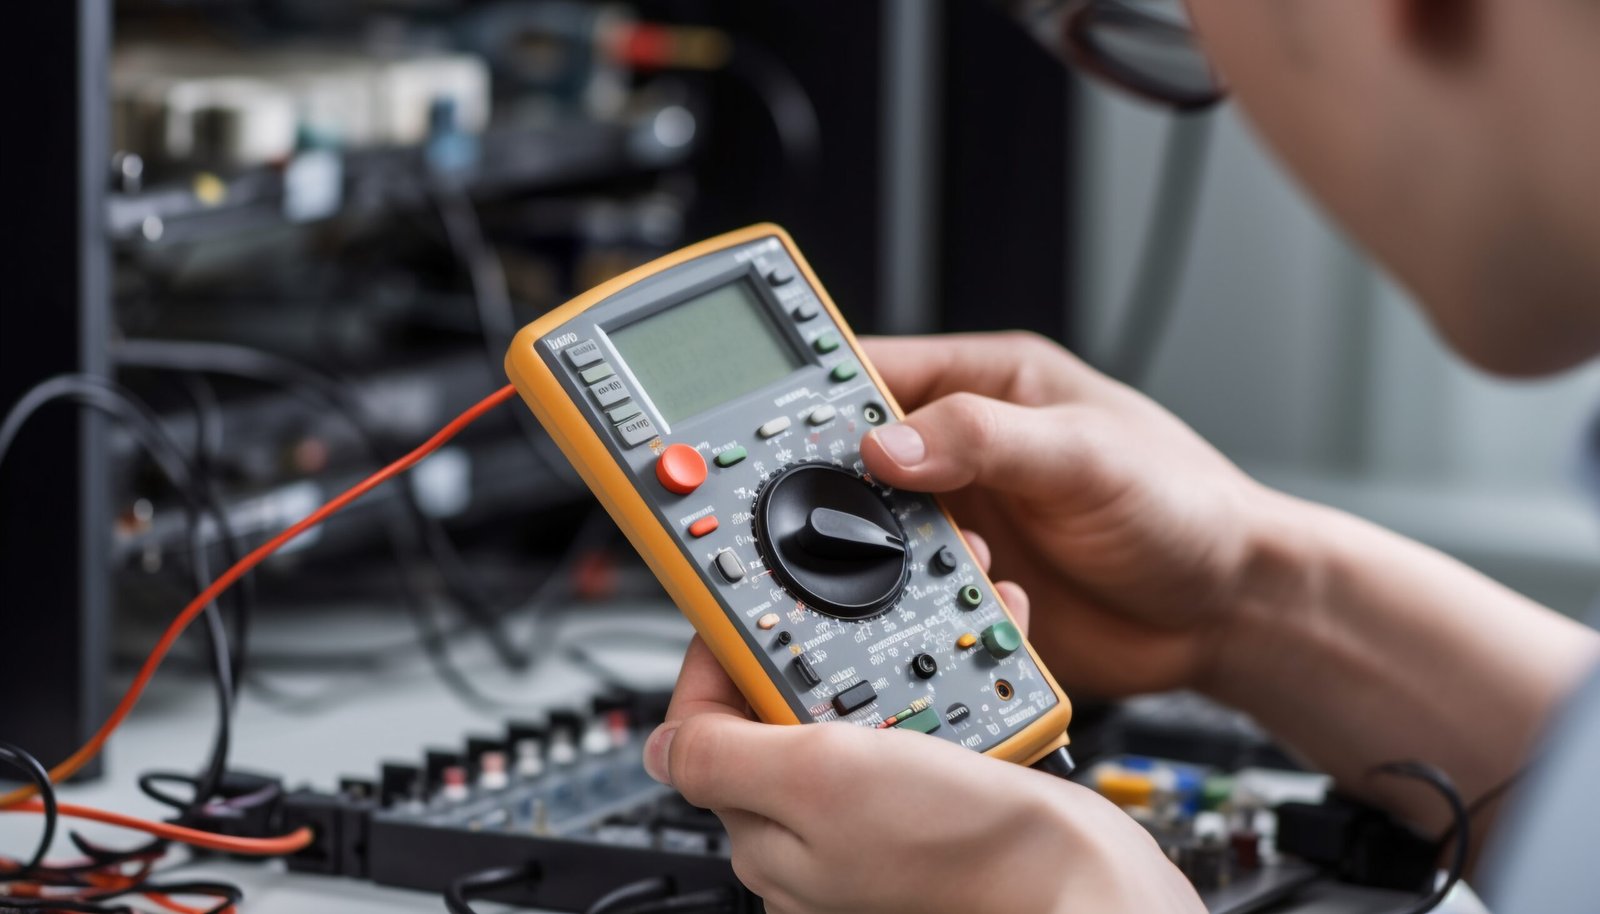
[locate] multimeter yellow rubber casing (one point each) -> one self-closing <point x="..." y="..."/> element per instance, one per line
<point x="714" y="400"/>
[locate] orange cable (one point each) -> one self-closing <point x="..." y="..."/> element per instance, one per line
<point x="259" y="847"/>
<point x="90" y="749"/>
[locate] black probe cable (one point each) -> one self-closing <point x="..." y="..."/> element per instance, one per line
<point x="1460" y="830"/>
<point x="107" y="397"/>
<point x="794" y="115"/>
<point x="229" y="894"/>
<point x="324" y="391"/>
<point x="460" y="890"/>
<point x="24" y="761"/>
<point x="320" y="391"/>
<point x="430" y="637"/>
<point x="491" y="295"/>
<point x="658" y="895"/>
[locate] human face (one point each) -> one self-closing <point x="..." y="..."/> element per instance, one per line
<point x="1456" y="139"/>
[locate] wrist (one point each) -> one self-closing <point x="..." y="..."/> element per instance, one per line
<point x="1279" y="594"/>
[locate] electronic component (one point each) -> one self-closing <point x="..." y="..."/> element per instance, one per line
<point x="746" y="399"/>
<point x="591" y="821"/>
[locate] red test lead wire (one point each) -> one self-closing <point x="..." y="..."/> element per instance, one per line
<point x="131" y="697"/>
<point x="261" y="847"/>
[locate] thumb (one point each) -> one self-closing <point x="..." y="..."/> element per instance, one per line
<point x="719" y="761"/>
<point x="965" y="439"/>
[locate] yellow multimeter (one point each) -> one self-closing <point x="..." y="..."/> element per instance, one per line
<point x="714" y="401"/>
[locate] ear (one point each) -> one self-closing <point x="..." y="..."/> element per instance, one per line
<point x="1444" y="31"/>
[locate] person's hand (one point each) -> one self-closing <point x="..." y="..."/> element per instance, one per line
<point x="837" y="818"/>
<point x="1138" y="543"/>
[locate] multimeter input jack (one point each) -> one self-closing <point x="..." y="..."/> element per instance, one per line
<point x="1003" y="690"/>
<point x="874" y="414"/>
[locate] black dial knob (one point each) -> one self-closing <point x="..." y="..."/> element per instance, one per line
<point x="830" y="538"/>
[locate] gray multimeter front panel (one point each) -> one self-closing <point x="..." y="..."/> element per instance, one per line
<point x="815" y="408"/>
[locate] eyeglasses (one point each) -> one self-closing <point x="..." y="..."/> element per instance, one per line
<point x="1146" y="47"/>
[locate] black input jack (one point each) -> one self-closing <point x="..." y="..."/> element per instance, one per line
<point x="1003" y="690"/>
<point x="874" y="414"/>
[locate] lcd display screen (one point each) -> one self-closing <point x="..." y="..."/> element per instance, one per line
<point x="706" y="350"/>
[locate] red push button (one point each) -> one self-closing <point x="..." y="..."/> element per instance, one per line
<point x="681" y="469"/>
<point x="703" y="526"/>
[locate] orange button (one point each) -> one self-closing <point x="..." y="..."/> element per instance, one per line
<point x="681" y="468"/>
<point x="703" y="526"/>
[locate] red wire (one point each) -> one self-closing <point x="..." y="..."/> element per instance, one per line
<point x="108" y="878"/>
<point x="257" y="847"/>
<point x="78" y="759"/>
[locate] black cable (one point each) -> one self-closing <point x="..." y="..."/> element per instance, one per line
<point x="473" y="884"/>
<point x="324" y="391"/>
<point x="1169" y="231"/>
<point x="321" y="391"/>
<point x="208" y="444"/>
<point x="1482" y="803"/>
<point x="705" y="901"/>
<point x="650" y="889"/>
<point x="229" y="894"/>
<point x="101" y="856"/>
<point x="794" y="116"/>
<point x="149" y="781"/>
<point x="1440" y="782"/>
<point x="262" y="367"/>
<point x="10" y="905"/>
<point x="378" y="656"/>
<point x="108" y="397"/>
<point x="497" y="315"/>
<point x="24" y="761"/>
<point x="150" y="353"/>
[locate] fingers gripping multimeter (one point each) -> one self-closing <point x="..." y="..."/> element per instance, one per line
<point x="715" y="401"/>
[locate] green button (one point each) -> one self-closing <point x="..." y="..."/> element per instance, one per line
<point x="970" y="596"/>
<point x="731" y="456"/>
<point x="1001" y="639"/>
<point x="924" y="721"/>
<point x="827" y="342"/>
<point x="843" y="372"/>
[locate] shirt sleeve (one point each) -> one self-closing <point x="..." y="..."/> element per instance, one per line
<point x="1545" y="857"/>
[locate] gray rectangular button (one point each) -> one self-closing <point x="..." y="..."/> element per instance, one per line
<point x="625" y="411"/>
<point x="773" y="427"/>
<point x="609" y="392"/>
<point x="637" y="430"/>
<point x="591" y="375"/>
<point x="730" y="566"/>
<point x="584" y="353"/>
<point x="821" y="415"/>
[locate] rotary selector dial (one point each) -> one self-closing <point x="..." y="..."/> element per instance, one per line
<point x="830" y="538"/>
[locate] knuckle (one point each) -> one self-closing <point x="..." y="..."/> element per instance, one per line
<point x="974" y="418"/>
<point x="1088" y="432"/>
<point x="1029" y="345"/>
<point x="1040" y="365"/>
<point x="694" y="756"/>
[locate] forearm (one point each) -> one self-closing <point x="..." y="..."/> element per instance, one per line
<point x="1363" y="647"/>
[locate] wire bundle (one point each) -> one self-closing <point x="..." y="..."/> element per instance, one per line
<point x="94" y="884"/>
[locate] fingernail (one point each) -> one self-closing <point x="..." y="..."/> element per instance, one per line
<point x="902" y="443"/>
<point x="656" y="753"/>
